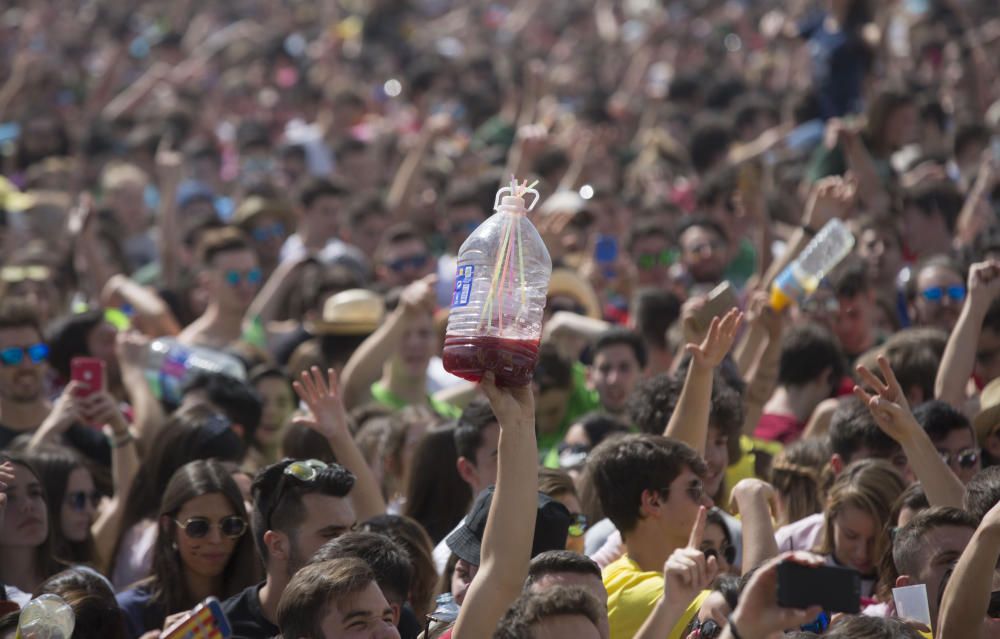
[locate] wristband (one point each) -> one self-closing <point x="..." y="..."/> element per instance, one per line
<point x="732" y="628"/>
<point x="122" y="440"/>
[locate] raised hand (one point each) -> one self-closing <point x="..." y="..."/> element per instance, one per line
<point x="888" y="404"/>
<point x="758" y="613"/>
<point x="984" y="283"/>
<point x="419" y="296"/>
<point x="749" y="490"/>
<point x="6" y="476"/>
<point x="327" y="415"/>
<point x="65" y="412"/>
<point x="514" y="406"/>
<point x="687" y="571"/>
<point x="831" y="197"/>
<point x="718" y="342"/>
<point x="101" y="409"/>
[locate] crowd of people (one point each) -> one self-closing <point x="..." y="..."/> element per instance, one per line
<point x="245" y="220"/>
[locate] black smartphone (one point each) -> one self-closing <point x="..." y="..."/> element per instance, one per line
<point x="835" y="589"/>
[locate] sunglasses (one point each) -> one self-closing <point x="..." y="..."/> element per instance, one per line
<point x="648" y="261"/>
<point x="14" y="355"/>
<point x="78" y="500"/>
<point x="12" y="274"/>
<point x="707" y="629"/>
<point x="232" y="526"/>
<point x="268" y="232"/>
<point x="964" y="458"/>
<point x="820" y="305"/>
<point x="253" y="276"/>
<point x="404" y="263"/>
<point x="695" y="490"/>
<point x="578" y="525"/>
<point x="303" y="471"/>
<point x="819" y="625"/>
<point x="728" y="553"/>
<point x="955" y="293"/>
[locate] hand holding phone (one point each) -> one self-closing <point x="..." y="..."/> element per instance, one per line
<point x="90" y="377"/>
<point x="834" y="588"/>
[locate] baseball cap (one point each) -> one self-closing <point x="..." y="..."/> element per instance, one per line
<point x="551" y="528"/>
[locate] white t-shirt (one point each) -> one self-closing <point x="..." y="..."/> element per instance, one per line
<point x="803" y="534"/>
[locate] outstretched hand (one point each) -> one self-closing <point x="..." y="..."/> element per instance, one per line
<point x="718" y="342"/>
<point x="888" y="404"/>
<point x="327" y="415"/>
<point x="687" y="571"/>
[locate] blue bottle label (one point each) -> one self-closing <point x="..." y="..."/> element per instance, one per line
<point x="463" y="286"/>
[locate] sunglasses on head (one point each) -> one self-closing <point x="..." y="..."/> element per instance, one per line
<point x="232" y="526"/>
<point x="13" y="274"/>
<point x="78" y="500"/>
<point x="966" y="458"/>
<point x="955" y="293"/>
<point x="14" y="355"/>
<point x="578" y="526"/>
<point x="728" y="553"/>
<point x="648" y="261"/>
<point x="404" y="263"/>
<point x="253" y="276"/>
<point x="268" y="232"/>
<point x="707" y="629"/>
<point x="304" y="471"/>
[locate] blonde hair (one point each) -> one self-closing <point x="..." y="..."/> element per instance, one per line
<point x="870" y="485"/>
<point x="119" y="174"/>
<point x="797" y="476"/>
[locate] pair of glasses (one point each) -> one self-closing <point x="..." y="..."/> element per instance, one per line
<point x="14" y="355"/>
<point x="707" y="629"/>
<point x="578" y="525"/>
<point x="267" y="232"/>
<point x="253" y="276"/>
<point x="955" y="293"/>
<point x="728" y="553"/>
<point x="232" y="526"/>
<point x="821" y="305"/>
<point x="648" y="261"/>
<point x="412" y="262"/>
<point x="78" y="500"/>
<point x="966" y="458"/>
<point x="303" y="471"/>
<point x="695" y="490"/>
<point x="13" y="274"/>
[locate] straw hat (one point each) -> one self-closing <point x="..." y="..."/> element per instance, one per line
<point x="565" y="282"/>
<point x="989" y="411"/>
<point x="354" y="312"/>
<point x="255" y="206"/>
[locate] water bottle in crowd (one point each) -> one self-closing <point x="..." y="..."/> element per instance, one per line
<point x="46" y="617"/>
<point x="503" y="271"/>
<point x="170" y="364"/>
<point x="800" y="278"/>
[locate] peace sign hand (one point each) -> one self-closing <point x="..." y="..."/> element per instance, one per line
<point x="888" y="404"/>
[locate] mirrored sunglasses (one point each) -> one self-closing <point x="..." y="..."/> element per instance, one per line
<point x="253" y="276"/>
<point x="14" y="355"/>
<point x="955" y="293"/>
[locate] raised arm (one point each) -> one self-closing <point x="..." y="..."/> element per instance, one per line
<point x="402" y="182"/>
<point x="689" y="423"/>
<point x="687" y="572"/>
<point x="328" y="418"/>
<point x="168" y="172"/>
<point x="130" y="348"/>
<point x="754" y="500"/>
<point x="960" y="353"/>
<point x="763" y="375"/>
<point x="967" y="596"/>
<point x="510" y="526"/>
<point x="892" y="413"/>
<point x="365" y="365"/>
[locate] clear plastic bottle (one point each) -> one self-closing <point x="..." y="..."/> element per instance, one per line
<point x="169" y="364"/>
<point x="800" y="278"/>
<point x="46" y="617"/>
<point x="502" y="278"/>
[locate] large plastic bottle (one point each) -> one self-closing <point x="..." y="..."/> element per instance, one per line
<point x="800" y="278"/>
<point x="496" y="310"/>
<point x="170" y="364"/>
<point x="46" y="617"/>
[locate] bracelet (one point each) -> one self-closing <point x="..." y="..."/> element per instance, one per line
<point x="808" y="230"/>
<point x="122" y="440"/>
<point x="732" y="628"/>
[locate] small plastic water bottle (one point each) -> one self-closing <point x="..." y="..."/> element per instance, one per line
<point x="46" y="617"/>
<point x="170" y="364"/>
<point x="800" y="278"/>
<point x="502" y="279"/>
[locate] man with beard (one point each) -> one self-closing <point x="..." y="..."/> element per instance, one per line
<point x="24" y="406"/>
<point x="298" y="506"/>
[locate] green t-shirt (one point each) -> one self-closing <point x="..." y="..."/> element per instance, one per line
<point x="386" y="397"/>
<point x="582" y="400"/>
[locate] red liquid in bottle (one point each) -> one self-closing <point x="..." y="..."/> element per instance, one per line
<point x="511" y="360"/>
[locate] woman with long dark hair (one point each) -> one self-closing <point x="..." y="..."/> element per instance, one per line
<point x="26" y="558"/>
<point x="202" y="549"/>
<point x="72" y="501"/>
<point x="436" y="495"/>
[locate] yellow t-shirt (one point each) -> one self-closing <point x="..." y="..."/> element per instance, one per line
<point x="632" y="594"/>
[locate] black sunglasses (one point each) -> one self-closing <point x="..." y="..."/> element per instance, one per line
<point x="78" y="500"/>
<point x="966" y="458"/>
<point x="232" y="526"/>
<point x="728" y="553"/>
<point x="707" y="629"/>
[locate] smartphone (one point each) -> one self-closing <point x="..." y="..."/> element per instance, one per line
<point x="205" y="621"/>
<point x="606" y="254"/>
<point x="719" y="301"/>
<point x="834" y="588"/>
<point x="89" y="373"/>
